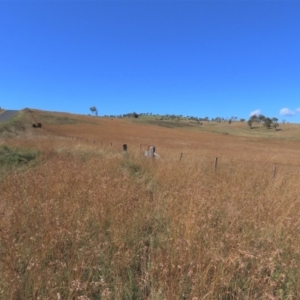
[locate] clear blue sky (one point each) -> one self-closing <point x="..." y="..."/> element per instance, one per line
<point x="201" y="58"/>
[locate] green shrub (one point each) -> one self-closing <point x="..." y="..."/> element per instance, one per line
<point x="14" y="157"/>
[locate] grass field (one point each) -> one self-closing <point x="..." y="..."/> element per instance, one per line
<point x="80" y="219"/>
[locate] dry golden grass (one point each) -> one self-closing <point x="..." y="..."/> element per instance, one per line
<point x="89" y="222"/>
<point x="239" y="142"/>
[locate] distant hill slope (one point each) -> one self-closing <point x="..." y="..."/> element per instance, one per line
<point x="90" y="125"/>
<point x="170" y="137"/>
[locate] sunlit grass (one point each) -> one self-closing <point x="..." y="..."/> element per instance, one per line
<point x="91" y="222"/>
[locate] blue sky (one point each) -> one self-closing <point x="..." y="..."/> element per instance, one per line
<point x="200" y="58"/>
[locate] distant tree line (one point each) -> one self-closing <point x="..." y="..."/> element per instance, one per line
<point x="259" y="119"/>
<point x="265" y="121"/>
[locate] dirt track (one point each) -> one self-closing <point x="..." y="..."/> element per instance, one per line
<point x="8" y="114"/>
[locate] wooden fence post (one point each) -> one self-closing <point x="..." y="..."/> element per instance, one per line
<point x="151" y="151"/>
<point x="216" y="163"/>
<point x="181" y="154"/>
<point x="274" y="175"/>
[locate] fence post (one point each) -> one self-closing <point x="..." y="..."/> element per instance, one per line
<point x="274" y="175"/>
<point x="124" y="147"/>
<point x="181" y="154"/>
<point x="216" y="163"/>
<point x="151" y="151"/>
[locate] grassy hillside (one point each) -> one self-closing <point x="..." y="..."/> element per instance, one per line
<point x="87" y="221"/>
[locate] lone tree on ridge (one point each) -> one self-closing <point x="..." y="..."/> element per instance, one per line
<point x="94" y="110"/>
